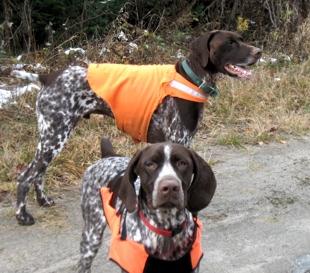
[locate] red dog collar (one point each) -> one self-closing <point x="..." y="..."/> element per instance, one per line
<point x="161" y="231"/>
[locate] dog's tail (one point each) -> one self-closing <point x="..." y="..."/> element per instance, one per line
<point x="106" y="148"/>
<point x="48" y="79"/>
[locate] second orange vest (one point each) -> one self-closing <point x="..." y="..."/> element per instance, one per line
<point x="130" y="255"/>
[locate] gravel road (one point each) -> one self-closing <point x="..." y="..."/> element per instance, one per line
<point x="258" y="222"/>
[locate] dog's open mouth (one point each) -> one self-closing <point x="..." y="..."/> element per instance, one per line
<point x="239" y="71"/>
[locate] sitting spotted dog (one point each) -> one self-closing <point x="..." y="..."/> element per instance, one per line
<point x="150" y="203"/>
<point x="151" y="103"/>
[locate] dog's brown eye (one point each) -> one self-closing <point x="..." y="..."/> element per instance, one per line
<point x="181" y="164"/>
<point x="150" y="165"/>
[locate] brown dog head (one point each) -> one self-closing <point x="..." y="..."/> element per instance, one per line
<point x="223" y="52"/>
<point x="171" y="176"/>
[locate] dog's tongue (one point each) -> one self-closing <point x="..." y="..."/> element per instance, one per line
<point x="238" y="71"/>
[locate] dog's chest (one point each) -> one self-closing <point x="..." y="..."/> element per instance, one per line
<point x="167" y="124"/>
<point x="159" y="246"/>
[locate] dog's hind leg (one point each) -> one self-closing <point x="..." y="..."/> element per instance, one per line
<point x="59" y="107"/>
<point x="94" y="225"/>
<point x="49" y="146"/>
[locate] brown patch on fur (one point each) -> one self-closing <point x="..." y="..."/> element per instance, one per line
<point x="48" y="79"/>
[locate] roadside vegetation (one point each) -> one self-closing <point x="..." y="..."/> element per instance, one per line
<point x="273" y="106"/>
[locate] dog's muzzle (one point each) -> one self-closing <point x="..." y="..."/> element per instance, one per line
<point x="169" y="193"/>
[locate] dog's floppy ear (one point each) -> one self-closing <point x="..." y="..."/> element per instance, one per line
<point x="127" y="192"/>
<point x="203" y="185"/>
<point x="200" y="47"/>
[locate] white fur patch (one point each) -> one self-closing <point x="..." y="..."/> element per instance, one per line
<point x="167" y="170"/>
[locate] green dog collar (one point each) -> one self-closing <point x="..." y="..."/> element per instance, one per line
<point x="211" y="90"/>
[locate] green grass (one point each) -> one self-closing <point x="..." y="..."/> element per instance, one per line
<point x="231" y="139"/>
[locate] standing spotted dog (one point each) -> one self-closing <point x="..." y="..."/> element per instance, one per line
<point x="150" y="203"/>
<point x="169" y="113"/>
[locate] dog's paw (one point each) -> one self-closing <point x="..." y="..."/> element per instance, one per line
<point x="46" y="201"/>
<point x="24" y="218"/>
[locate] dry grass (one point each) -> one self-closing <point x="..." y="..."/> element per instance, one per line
<point x="18" y="138"/>
<point x="271" y="106"/>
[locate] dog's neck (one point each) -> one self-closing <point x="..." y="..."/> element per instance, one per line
<point x="204" y="74"/>
<point x="157" y="245"/>
<point x="168" y="219"/>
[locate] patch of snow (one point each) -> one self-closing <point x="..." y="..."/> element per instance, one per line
<point x="9" y="24"/>
<point x="7" y="95"/>
<point x="286" y="58"/>
<point x="28" y="106"/>
<point x="121" y="36"/>
<point x="106" y="1"/>
<point x="75" y="50"/>
<point x="21" y="74"/>
<point x="103" y="51"/>
<point x="132" y="47"/>
<point x="273" y="60"/>
<point x="18" y="66"/>
<point x="4" y="96"/>
<point x="38" y="67"/>
<point x="19" y="57"/>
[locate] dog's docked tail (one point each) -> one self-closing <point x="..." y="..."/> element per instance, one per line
<point x="106" y="148"/>
<point x="48" y="79"/>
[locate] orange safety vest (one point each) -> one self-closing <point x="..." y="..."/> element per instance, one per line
<point x="134" y="92"/>
<point x="130" y="255"/>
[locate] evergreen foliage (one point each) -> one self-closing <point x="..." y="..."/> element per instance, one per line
<point x="37" y="22"/>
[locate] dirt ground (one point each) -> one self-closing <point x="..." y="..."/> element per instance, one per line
<point x="258" y="222"/>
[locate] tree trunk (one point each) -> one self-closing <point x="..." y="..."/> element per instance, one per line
<point x="27" y="26"/>
<point x="7" y="25"/>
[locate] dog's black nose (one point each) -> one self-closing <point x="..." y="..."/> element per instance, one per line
<point x="169" y="186"/>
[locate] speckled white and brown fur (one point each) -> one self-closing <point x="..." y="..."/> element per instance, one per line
<point x="66" y="97"/>
<point x="145" y="185"/>
<point x="59" y="107"/>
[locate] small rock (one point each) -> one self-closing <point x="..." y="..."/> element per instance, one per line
<point x="302" y="264"/>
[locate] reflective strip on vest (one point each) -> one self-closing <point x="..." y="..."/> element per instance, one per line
<point x="128" y="254"/>
<point x="184" y="88"/>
